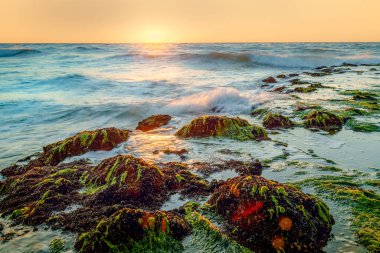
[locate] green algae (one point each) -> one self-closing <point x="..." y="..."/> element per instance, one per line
<point x="206" y="237"/>
<point x="260" y="112"/>
<point x="364" y="204"/>
<point x="63" y="172"/>
<point x="359" y="92"/>
<point x="364" y="127"/>
<point x="57" y="245"/>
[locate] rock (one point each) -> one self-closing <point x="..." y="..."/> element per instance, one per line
<point x="269" y="80"/>
<point x="32" y="197"/>
<point x="279" y="89"/>
<point x="222" y="126"/>
<point x="323" y="120"/>
<point x="345" y="64"/>
<point x="180" y="152"/>
<point x="153" y="122"/>
<point x="275" y="120"/>
<point x="363" y="96"/>
<point x="128" y="179"/>
<point x="133" y="181"/>
<point x="305" y="89"/>
<point x="282" y="76"/>
<point x="266" y="216"/>
<point x="293" y="75"/>
<point x="298" y="82"/>
<point x="317" y="74"/>
<point x="135" y="230"/>
<point x="243" y="168"/>
<point x="83" y="142"/>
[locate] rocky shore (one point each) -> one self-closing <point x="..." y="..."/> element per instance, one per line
<point x="116" y="205"/>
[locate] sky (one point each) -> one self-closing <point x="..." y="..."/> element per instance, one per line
<point x="171" y="21"/>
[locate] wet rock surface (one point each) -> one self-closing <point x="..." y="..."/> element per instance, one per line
<point x="270" y="80"/>
<point x="266" y="216"/>
<point x="222" y="126"/>
<point x="323" y="120"/>
<point x="153" y="122"/>
<point x="275" y="120"/>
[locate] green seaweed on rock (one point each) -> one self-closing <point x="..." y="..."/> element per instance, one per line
<point x="222" y="126"/>
<point x="276" y="120"/>
<point x="206" y="237"/>
<point x="324" y="120"/>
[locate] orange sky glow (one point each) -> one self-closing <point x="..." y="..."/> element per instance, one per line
<point x="124" y="21"/>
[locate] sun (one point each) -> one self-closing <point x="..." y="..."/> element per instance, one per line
<point x="155" y="35"/>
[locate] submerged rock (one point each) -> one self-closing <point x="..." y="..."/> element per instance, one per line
<point x="243" y="168"/>
<point x="305" y="89"/>
<point x="259" y="112"/>
<point x="153" y="122"/>
<point x="323" y="120"/>
<point x="282" y="76"/>
<point x="275" y="120"/>
<point x="267" y="216"/>
<point x="222" y="126"/>
<point x="135" y="230"/>
<point x="270" y="80"/>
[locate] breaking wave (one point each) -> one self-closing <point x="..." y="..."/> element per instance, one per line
<point x="218" y="100"/>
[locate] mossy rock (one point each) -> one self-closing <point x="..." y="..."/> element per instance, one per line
<point x="135" y="230"/>
<point x="298" y="82"/>
<point x="128" y="179"/>
<point x="83" y="142"/>
<point x="323" y="120"/>
<point x="32" y="197"/>
<point x="266" y="216"/>
<point x="132" y="180"/>
<point x="305" y="89"/>
<point x="153" y="122"/>
<point x="222" y="126"/>
<point x="276" y="120"/>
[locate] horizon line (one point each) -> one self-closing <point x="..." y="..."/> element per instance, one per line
<point x="243" y="42"/>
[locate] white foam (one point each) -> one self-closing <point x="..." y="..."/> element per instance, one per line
<point x="223" y="100"/>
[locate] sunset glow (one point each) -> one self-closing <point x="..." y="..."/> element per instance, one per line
<point x="120" y="21"/>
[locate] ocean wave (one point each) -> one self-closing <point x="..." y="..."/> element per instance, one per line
<point x="78" y="82"/>
<point x="88" y="48"/>
<point x="218" y="100"/>
<point x="314" y="58"/>
<point x="17" y="52"/>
